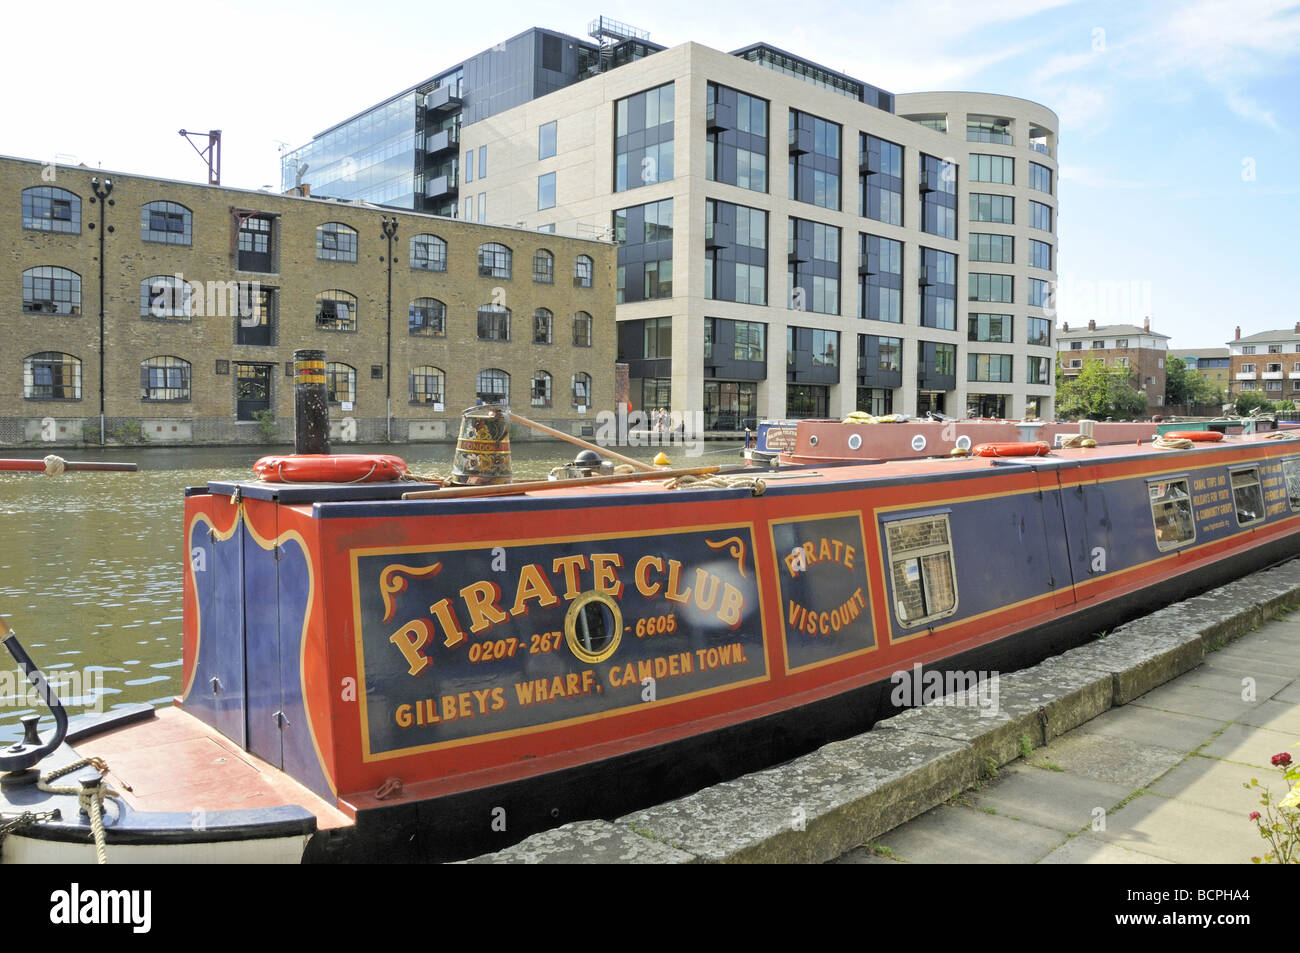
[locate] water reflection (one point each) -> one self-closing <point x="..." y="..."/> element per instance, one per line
<point x="90" y="563"/>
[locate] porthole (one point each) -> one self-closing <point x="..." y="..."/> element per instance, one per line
<point x="855" y="441"/>
<point x="918" y="443"/>
<point x="593" y="627"/>
<point x="963" y="442"/>
<point x="812" y="441"/>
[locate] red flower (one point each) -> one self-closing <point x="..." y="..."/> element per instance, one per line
<point x="1254" y="815"/>
<point x="1281" y="760"/>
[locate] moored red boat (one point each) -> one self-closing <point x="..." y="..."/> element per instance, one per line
<point x="375" y="671"/>
<point x="427" y="679"/>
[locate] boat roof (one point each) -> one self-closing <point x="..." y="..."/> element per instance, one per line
<point x="355" y="500"/>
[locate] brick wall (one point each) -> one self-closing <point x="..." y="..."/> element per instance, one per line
<point x="209" y="413"/>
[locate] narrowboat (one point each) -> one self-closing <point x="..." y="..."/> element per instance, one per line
<point x="862" y="438"/>
<point x="376" y="671"/>
<point x="371" y="677"/>
<point x="770" y="439"/>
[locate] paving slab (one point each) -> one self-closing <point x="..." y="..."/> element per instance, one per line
<point x="1246" y="744"/>
<point x="1181" y="831"/>
<point x="588" y="842"/>
<point x="1182" y="732"/>
<point x="1281" y="663"/>
<point x="1231" y="682"/>
<point x="1062" y="802"/>
<point x="1086" y="849"/>
<point x="1290" y="694"/>
<point x="1180" y="698"/>
<point x="955" y="834"/>
<point x="1276" y="716"/>
<point x="1113" y="759"/>
<point x="1215" y="784"/>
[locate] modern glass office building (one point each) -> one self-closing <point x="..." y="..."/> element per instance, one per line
<point x="405" y="152"/>
<point x="743" y="289"/>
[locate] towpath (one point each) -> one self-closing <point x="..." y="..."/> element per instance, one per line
<point x="1157" y="781"/>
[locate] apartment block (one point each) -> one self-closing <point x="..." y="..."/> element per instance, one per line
<point x="791" y="241"/>
<point x="187" y="333"/>
<point x="1211" y="363"/>
<point x="1140" y="350"/>
<point x="1268" y="362"/>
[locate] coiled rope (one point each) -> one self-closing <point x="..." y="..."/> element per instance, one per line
<point x="91" y="802"/>
<point x="1172" y="443"/>
<point x="756" y="485"/>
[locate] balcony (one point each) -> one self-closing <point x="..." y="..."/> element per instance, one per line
<point x="1270" y="375"/>
<point x="1246" y="376"/>
<point x="801" y="141"/>
<point x="869" y="164"/>
<point x="443" y="186"/>
<point x="864" y="264"/>
<point x="444" y="141"/>
<point x="715" y="235"/>
<point x="1294" y="375"/>
<point x="1040" y="145"/>
<point x="985" y="135"/>
<point x="441" y="100"/>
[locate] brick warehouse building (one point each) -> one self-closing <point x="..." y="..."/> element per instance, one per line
<point x="476" y="311"/>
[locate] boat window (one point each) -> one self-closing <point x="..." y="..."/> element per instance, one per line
<point x="920" y="564"/>
<point x="1171" y="510"/>
<point x="1248" y="496"/>
<point x="593" y="627"/>
<point x="1291" y="468"/>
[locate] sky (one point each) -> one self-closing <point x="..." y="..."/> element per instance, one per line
<point x="1179" y="147"/>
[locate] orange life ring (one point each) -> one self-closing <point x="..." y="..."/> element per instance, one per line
<point x="1037" y="449"/>
<point x="1197" y="436"/>
<point x="330" y="468"/>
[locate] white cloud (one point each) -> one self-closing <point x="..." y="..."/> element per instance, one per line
<point x="1083" y="109"/>
<point x="1247" y="108"/>
<point x="1228" y="43"/>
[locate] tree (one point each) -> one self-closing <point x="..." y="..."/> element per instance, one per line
<point x="1251" y="400"/>
<point x="1177" y="385"/>
<point x="1099" y="392"/>
<point x="1184" y="387"/>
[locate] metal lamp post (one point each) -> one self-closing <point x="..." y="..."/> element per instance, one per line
<point x="102" y="192"/>
<point x="390" y="232"/>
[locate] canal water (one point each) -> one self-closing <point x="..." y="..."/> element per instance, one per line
<point x="90" y="564"/>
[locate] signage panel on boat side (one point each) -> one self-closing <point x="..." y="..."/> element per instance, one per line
<point x="781" y="438"/>
<point x="462" y="642"/>
<point x="825" y="601"/>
